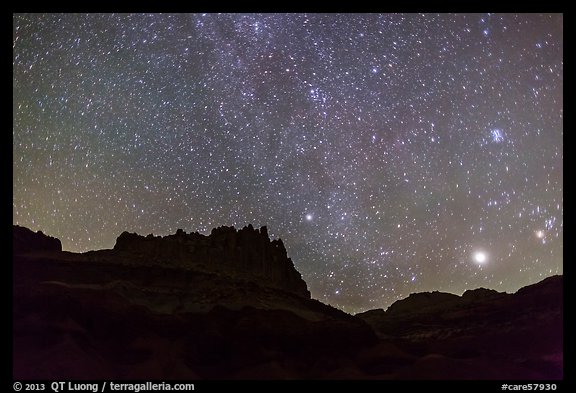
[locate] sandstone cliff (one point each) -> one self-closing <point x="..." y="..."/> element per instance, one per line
<point x="245" y="253"/>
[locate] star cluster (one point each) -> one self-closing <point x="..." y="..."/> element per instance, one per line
<point x="392" y="153"/>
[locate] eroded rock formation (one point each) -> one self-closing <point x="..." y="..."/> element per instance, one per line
<point x="246" y="253"/>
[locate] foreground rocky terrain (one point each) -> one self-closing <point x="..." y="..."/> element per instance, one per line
<point x="232" y="306"/>
<point x="481" y="334"/>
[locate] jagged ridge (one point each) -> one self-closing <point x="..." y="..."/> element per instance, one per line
<point x="247" y="253"/>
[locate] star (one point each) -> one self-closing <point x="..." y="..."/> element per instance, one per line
<point x="480" y="257"/>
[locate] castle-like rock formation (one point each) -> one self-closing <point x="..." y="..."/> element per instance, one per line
<point x="245" y="253"/>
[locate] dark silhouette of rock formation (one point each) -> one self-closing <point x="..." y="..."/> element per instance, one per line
<point x="24" y="240"/>
<point x="248" y="253"/>
<point x="228" y="305"/>
<point x="521" y="333"/>
<point x="441" y="314"/>
<point x="231" y="306"/>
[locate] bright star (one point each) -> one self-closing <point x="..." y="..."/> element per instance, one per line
<point x="540" y="234"/>
<point x="309" y="217"/>
<point x="480" y="257"/>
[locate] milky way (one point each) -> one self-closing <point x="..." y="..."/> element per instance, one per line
<point x="391" y="153"/>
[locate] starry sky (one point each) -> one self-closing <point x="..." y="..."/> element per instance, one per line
<point x="392" y="153"/>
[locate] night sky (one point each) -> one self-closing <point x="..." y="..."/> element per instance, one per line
<point x="392" y="153"/>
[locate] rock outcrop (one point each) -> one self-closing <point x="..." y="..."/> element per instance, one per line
<point x="420" y="302"/>
<point x="24" y="240"/>
<point x="426" y="314"/>
<point x="483" y="334"/>
<point x="247" y="253"/>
